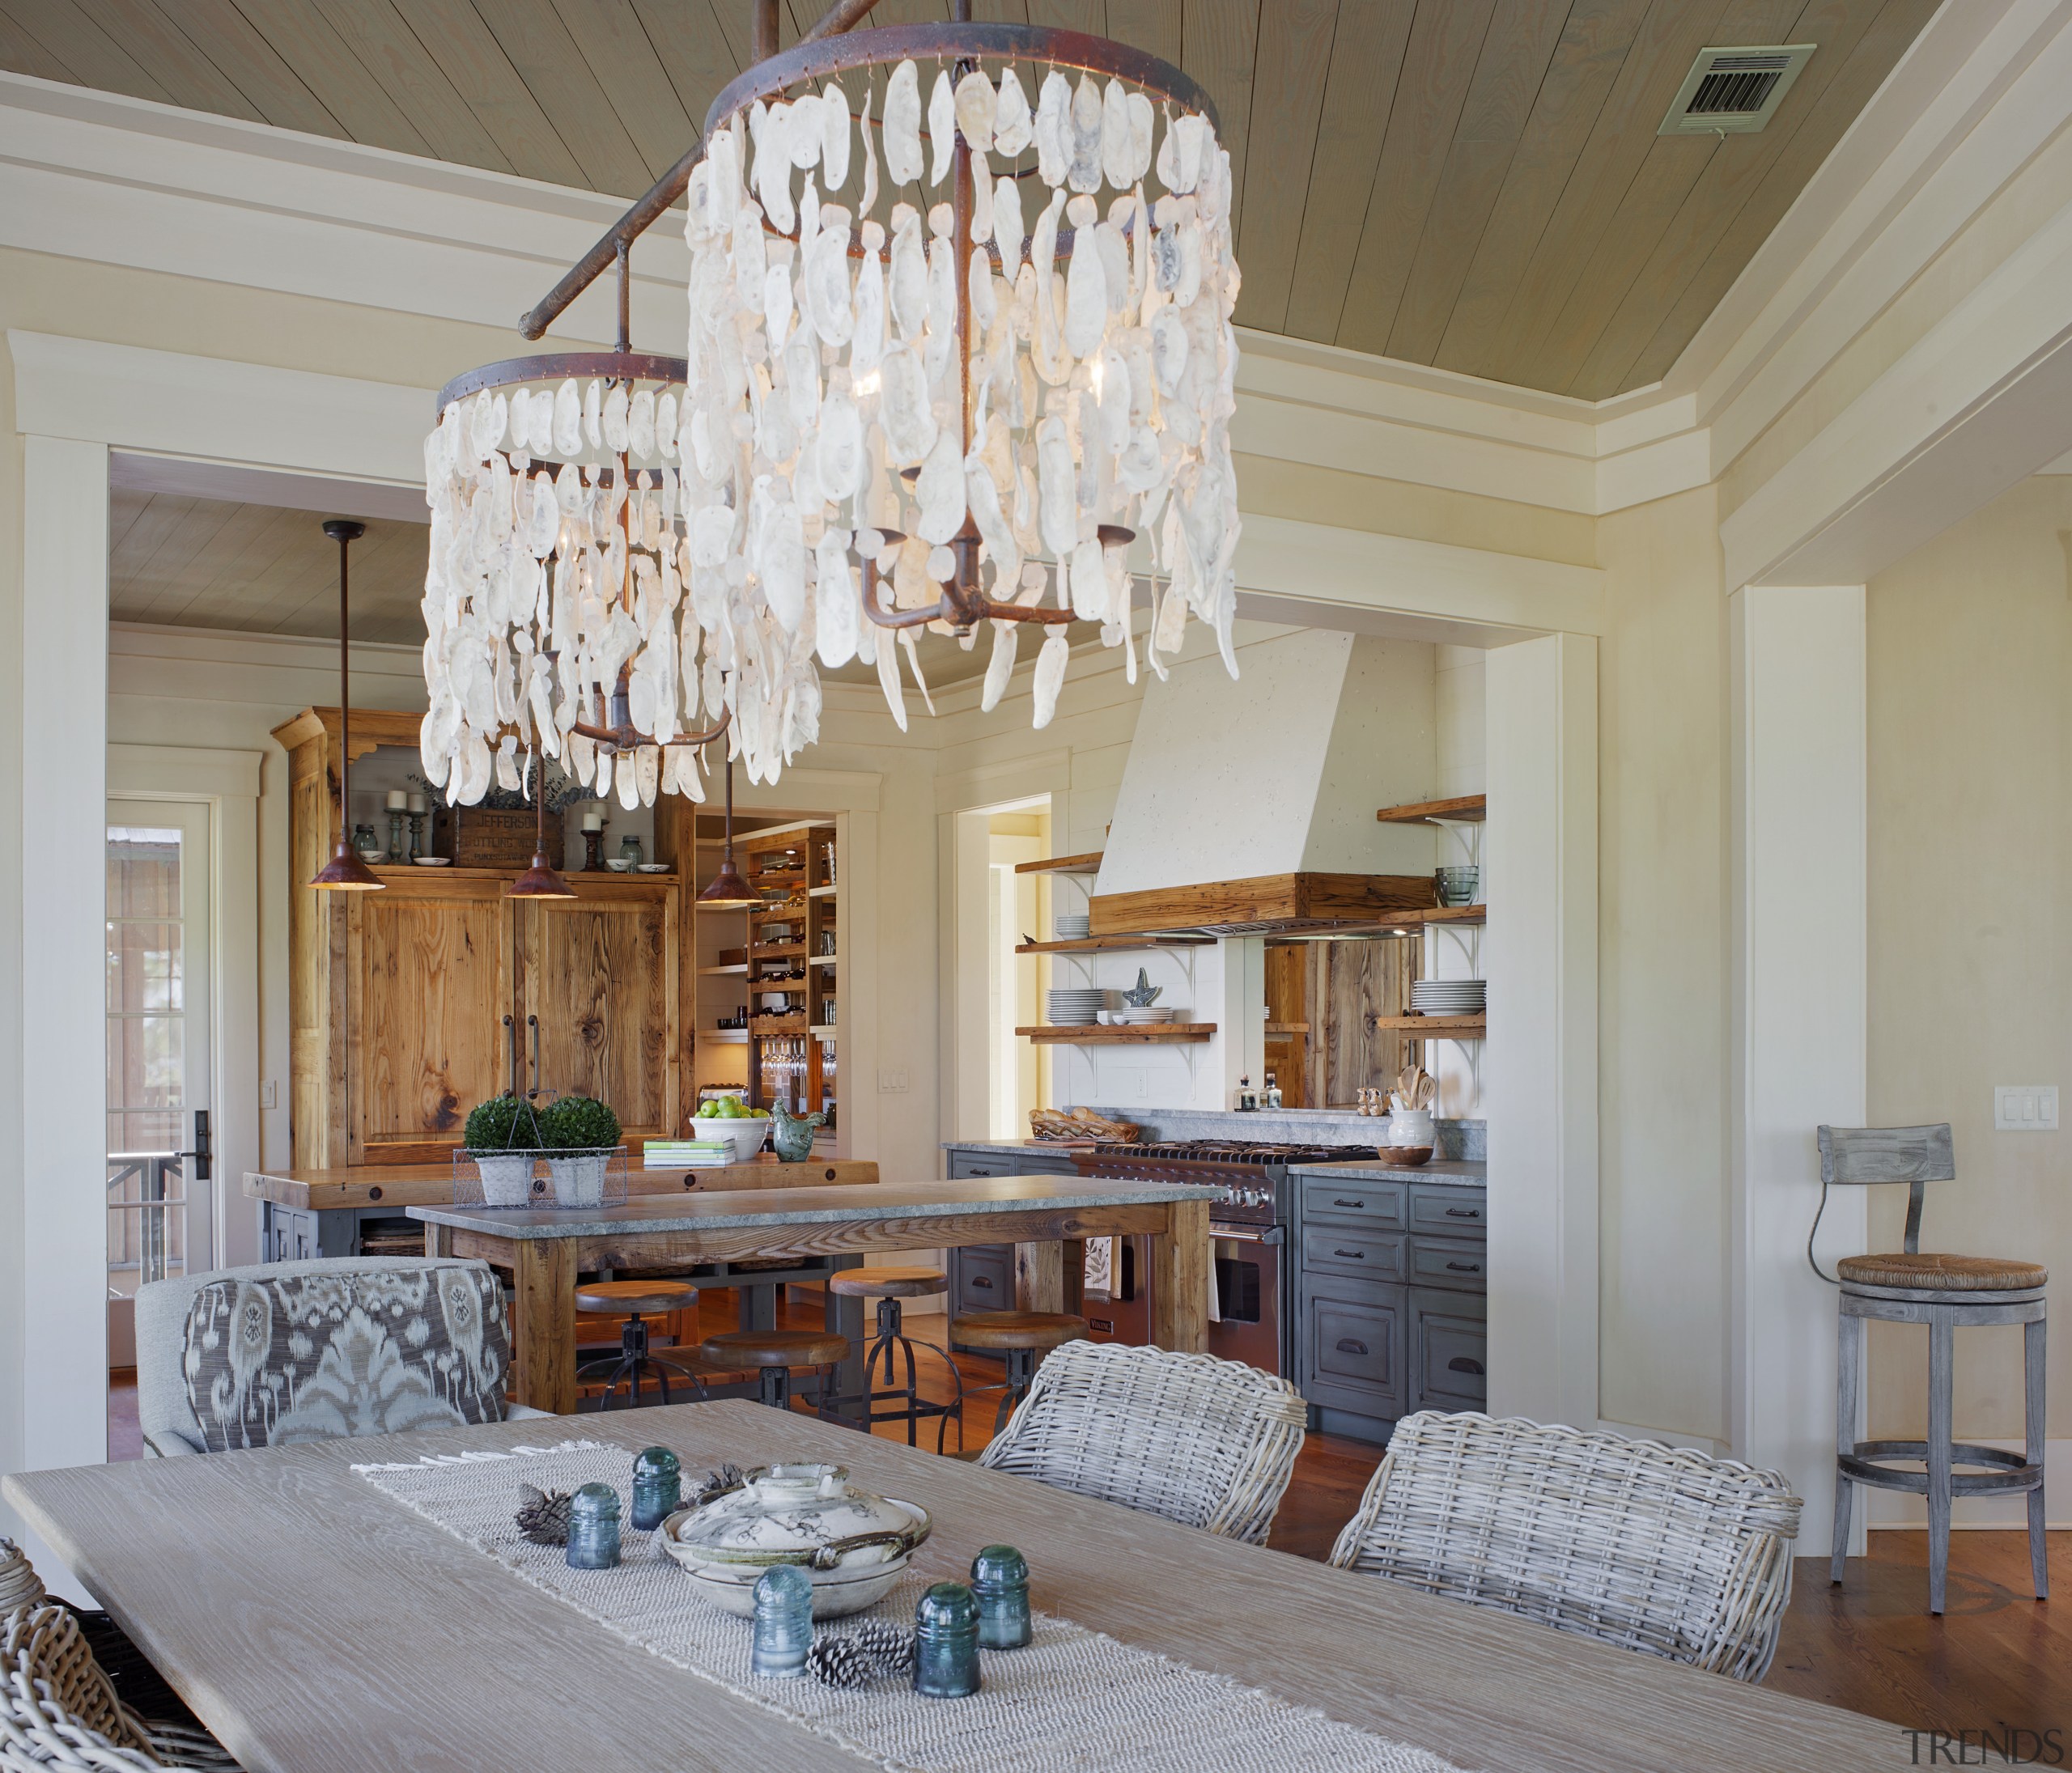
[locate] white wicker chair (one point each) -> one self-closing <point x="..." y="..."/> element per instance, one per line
<point x="1657" y="1548"/>
<point x="1205" y="1442"/>
<point x="57" y="1709"/>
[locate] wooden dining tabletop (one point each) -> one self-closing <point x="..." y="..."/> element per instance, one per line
<point x="317" y="1626"/>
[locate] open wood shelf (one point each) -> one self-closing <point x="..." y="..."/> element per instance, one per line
<point x="1465" y="808"/>
<point x="1437" y="1028"/>
<point x="822" y="892"/>
<point x="1090" y="864"/>
<point x="1442" y="914"/>
<point x="727" y="1037"/>
<point x="1103" y="1034"/>
<point x="820" y="960"/>
<point x="824" y="1031"/>
<point x="739" y="968"/>
<point x="775" y="1027"/>
<point x="1140" y="942"/>
<point x="777" y="951"/>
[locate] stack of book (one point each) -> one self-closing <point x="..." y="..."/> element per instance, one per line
<point x="687" y="1153"/>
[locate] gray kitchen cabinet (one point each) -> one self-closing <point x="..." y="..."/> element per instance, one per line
<point x="1448" y="1351"/>
<point x="1390" y="1287"/>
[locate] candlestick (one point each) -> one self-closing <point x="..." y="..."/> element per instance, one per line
<point x="593" y="821"/>
<point x="398" y="801"/>
<point x="417" y="805"/>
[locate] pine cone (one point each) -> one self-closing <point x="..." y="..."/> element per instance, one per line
<point x="717" y="1483"/>
<point x="891" y="1648"/>
<point x="841" y="1662"/>
<point x="543" y="1515"/>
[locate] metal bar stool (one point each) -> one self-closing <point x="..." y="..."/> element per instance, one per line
<point x="634" y="1357"/>
<point x="1946" y="1293"/>
<point x="887" y="1286"/>
<point x="773" y="1354"/>
<point x="1023" y="1338"/>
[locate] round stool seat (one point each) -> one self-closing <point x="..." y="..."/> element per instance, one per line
<point x="1038" y="1329"/>
<point x="888" y="1283"/>
<point x="1944" y="1274"/>
<point x="621" y="1297"/>
<point x="776" y="1348"/>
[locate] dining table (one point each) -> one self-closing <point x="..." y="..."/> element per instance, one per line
<point x="317" y="1625"/>
<point x="1047" y="1218"/>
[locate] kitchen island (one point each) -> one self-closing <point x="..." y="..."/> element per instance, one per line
<point x="544" y="1249"/>
<point x="306" y="1213"/>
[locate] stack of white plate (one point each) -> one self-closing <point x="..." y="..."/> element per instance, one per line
<point x="1152" y="1013"/>
<point x="1074" y="1008"/>
<point x="1449" y="997"/>
<point x="1070" y="928"/>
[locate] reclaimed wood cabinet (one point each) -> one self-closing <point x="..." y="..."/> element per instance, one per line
<point x="409" y="1006"/>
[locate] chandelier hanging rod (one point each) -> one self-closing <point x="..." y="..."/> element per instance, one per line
<point x="651" y="207"/>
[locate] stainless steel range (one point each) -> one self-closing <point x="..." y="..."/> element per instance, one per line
<point x="1248" y="1224"/>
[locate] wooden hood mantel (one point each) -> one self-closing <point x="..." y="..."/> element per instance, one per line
<point x="1265" y="905"/>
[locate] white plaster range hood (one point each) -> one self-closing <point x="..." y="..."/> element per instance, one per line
<point x="1247" y="807"/>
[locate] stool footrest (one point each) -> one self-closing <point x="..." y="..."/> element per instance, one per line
<point x="2009" y="1473"/>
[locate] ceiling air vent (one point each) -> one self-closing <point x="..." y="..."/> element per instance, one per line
<point x="1734" y="92"/>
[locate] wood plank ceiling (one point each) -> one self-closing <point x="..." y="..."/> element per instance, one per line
<point x="258" y="569"/>
<point x="1474" y="183"/>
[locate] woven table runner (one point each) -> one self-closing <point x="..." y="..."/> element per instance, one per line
<point x="1073" y="1698"/>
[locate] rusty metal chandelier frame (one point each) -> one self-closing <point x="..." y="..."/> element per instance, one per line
<point x="938" y="416"/>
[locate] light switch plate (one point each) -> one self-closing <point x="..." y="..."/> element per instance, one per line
<point x="269" y="1093"/>
<point x="2025" y="1108"/>
<point x="891" y="1082"/>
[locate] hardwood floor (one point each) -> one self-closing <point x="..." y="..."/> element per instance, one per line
<point x="1996" y="1659"/>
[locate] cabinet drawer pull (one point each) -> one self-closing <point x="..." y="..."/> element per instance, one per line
<point x="1463" y="1212"/>
<point x="1348" y="1203"/>
<point x="976" y="1171"/>
<point x="1351" y="1255"/>
<point x="1463" y="1363"/>
<point x="980" y="1280"/>
<point x="1463" y="1268"/>
<point x="1348" y="1345"/>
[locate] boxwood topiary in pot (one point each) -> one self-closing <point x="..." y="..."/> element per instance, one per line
<point x="503" y="1133"/>
<point x="580" y="1133"/>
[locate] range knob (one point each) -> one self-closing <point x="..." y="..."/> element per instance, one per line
<point x="1255" y="1197"/>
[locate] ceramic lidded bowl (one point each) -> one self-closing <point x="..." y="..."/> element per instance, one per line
<point x="852" y="1544"/>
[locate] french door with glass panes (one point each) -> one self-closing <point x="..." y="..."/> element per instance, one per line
<point x="160" y="1220"/>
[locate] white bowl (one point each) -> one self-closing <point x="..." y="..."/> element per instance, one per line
<point x="835" y="1592"/>
<point x="746" y="1136"/>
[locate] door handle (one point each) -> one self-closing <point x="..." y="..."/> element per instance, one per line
<point x="532" y="1022"/>
<point x="1462" y="1364"/>
<point x="511" y="1054"/>
<point x="1348" y="1345"/>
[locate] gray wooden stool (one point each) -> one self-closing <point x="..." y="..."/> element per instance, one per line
<point x="1946" y="1293"/>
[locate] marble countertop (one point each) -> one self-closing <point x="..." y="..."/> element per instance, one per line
<point x="1460" y="1174"/>
<point x="862" y="1203"/>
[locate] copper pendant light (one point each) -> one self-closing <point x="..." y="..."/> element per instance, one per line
<point x="541" y="881"/>
<point x="727" y="891"/>
<point x="345" y="873"/>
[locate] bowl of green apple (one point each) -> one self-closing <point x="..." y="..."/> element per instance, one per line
<point x="728" y="1117"/>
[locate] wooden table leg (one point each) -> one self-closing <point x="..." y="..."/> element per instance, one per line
<point x="1039" y="1276"/>
<point x="543" y="1338"/>
<point x="1179" y="1279"/>
<point x="438" y="1240"/>
<point x="1074" y="1251"/>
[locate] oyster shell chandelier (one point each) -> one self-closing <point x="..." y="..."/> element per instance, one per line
<point x="959" y="398"/>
